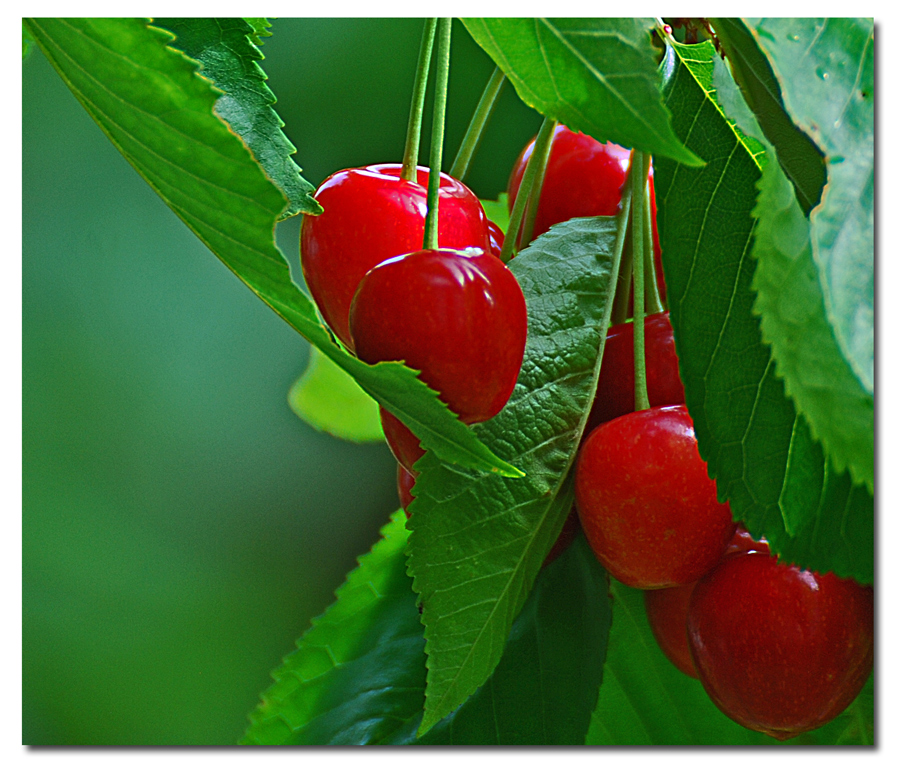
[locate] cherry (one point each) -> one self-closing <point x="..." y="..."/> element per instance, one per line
<point x="405" y="481"/>
<point x="667" y="608"/>
<point x="402" y="441"/>
<point x="615" y="387"/>
<point x="495" y="238"/>
<point x="779" y="649"/>
<point x="584" y="178"/>
<point x="646" y="502"/>
<point x="459" y="317"/>
<point x="372" y="214"/>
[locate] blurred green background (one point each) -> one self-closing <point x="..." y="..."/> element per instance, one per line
<point x="180" y="524"/>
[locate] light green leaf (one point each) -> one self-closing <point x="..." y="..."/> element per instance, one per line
<point x="795" y="323"/>
<point x="597" y="76"/>
<point x="230" y="61"/>
<point x="826" y="71"/>
<point x="498" y="211"/>
<point x="153" y="106"/>
<point x="748" y="430"/>
<point x="478" y="541"/>
<point x="327" y="398"/>
<point x="800" y="159"/>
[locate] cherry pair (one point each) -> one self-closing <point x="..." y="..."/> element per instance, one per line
<point x="455" y="313"/>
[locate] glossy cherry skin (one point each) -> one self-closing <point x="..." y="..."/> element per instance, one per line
<point x="405" y="482"/>
<point x="584" y="178"/>
<point x="370" y="214"/>
<point x="615" y="387"/>
<point x="495" y="238"/>
<point x="645" y="500"/>
<point x="667" y="608"/>
<point x="458" y="317"/>
<point x="778" y="649"/>
<point x="402" y="441"/>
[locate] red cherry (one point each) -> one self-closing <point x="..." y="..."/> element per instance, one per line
<point x="584" y="178"/>
<point x="402" y="441"/>
<point x="370" y="215"/>
<point x="646" y="503"/>
<point x="667" y="608"/>
<point x="779" y="649"/>
<point x="458" y="317"/>
<point x="495" y="237"/>
<point x="405" y="481"/>
<point x="615" y="388"/>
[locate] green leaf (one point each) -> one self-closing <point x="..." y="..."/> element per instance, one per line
<point x="358" y="673"/>
<point x="327" y="398"/>
<point x="594" y="75"/>
<point x="545" y="687"/>
<point x="795" y="323"/>
<point x="261" y="29"/>
<point x="27" y="42"/>
<point x="646" y="700"/>
<point x="826" y="71"/>
<point x="478" y="541"/>
<point x="775" y="477"/>
<point x="498" y="211"/>
<point x="230" y="61"/>
<point x="800" y="159"/>
<point x="154" y="108"/>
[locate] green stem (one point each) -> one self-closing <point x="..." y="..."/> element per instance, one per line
<point x="417" y="106"/>
<point x="534" y="195"/>
<point x="541" y="146"/>
<point x="640" y="167"/>
<point x="652" y="300"/>
<point x="622" y="299"/>
<point x="483" y="111"/>
<point x="437" y="132"/>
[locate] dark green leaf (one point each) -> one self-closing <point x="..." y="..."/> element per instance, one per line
<point x="230" y="61"/>
<point x="327" y="398"/>
<point x="594" y="75"/>
<point x="148" y="100"/>
<point x="747" y="428"/>
<point x="358" y="675"/>
<point x="545" y="687"/>
<point x="795" y="323"/>
<point x="478" y="541"/>
<point x="800" y="159"/>
<point x="646" y="700"/>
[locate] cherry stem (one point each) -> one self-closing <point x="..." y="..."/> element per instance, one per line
<point x="652" y="299"/>
<point x="417" y="105"/>
<point x="639" y="171"/>
<point x="540" y="151"/>
<point x="437" y="132"/>
<point x="534" y="194"/>
<point x="483" y="112"/>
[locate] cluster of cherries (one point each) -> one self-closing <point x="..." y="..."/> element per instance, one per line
<point x="778" y="649"/>
<point x="455" y="313"/>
